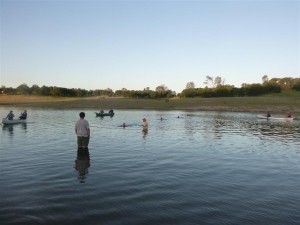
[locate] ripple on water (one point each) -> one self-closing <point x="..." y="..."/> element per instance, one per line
<point x="206" y="168"/>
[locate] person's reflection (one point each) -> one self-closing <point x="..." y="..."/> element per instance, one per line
<point x="145" y="132"/>
<point x="9" y="128"/>
<point x="82" y="163"/>
<point x="24" y="126"/>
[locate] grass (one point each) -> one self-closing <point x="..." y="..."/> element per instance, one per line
<point x="285" y="93"/>
<point x="280" y="103"/>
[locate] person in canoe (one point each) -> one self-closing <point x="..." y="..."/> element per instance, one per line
<point x="10" y="115"/>
<point x="111" y="111"/>
<point x="101" y="111"/>
<point x="23" y="115"/>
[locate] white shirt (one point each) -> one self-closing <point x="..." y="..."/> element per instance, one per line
<point x="82" y="128"/>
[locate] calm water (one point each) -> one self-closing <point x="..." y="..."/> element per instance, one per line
<point x="201" y="168"/>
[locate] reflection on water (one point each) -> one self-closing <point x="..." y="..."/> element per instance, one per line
<point x="24" y="126"/>
<point x="221" y="124"/>
<point x="9" y="128"/>
<point x="276" y="128"/>
<point x="145" y="132"/>
<point x="281" y="130"/>
<point x="82" y="164"/>
<point x="205" y="168"/>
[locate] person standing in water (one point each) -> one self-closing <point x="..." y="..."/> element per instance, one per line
<point x="82" y="130"/>
<point x="145" y="124"/>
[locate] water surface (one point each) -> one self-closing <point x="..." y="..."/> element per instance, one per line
<point x="200" y="168"/>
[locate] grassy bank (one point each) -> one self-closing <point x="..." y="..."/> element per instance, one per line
<point x="280" y="104"/>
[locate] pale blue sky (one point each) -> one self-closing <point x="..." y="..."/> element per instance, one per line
<point x="138" y="44"/>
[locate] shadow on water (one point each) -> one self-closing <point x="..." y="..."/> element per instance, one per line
<point x="82" y="164"/>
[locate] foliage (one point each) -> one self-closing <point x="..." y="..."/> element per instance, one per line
<point x="161" y="92"/>
<point x="217" y="89"/>
<point x="271" y="87"/>
<point x="231" y="91"/>
<point x="214" y="82"/>
<point x="286" y="82"/>
<point x="190" y="85"/>
<point x="296" y="86"/>
<point x="265" y="79"/>
<point x="23" y="89"/>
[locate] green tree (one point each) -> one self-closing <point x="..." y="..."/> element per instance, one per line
<point x="214" y="81"/>
<point x="2" y="89"/>
<point x="190" y="85"/>
<point x="265" y="79"/>
<point x="35" y="90"/>
<point x="56" y="91"/>
<point x="45" y="91"/>
<point x="23" y="89"/>
<point x="161" y="91"/>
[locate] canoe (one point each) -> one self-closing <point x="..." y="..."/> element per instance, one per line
<point x="6" y="121"/>
<point x="105" y="114"/>
<point x="275" y="118"/>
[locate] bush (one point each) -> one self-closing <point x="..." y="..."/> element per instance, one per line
<point x="296" y="86"/>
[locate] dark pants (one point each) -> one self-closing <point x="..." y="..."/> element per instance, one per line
<point x="83" y="141"/>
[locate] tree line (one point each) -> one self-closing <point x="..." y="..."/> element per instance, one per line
<point x="231" y="91"/>
<point x="161" y="91"/>
<point x="215" y="87"/>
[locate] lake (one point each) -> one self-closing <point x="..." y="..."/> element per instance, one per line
<point x="200" y="168"/>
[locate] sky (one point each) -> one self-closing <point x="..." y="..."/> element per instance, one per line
<point x="98" y="44"/>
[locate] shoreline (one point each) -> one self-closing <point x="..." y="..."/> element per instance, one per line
<point x="224" y="104"/>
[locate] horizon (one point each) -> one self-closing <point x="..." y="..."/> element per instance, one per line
<point x="138" y="44"/>
<point x="209" y="86"/>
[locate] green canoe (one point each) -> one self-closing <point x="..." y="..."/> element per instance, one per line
<point x="105" y="114"/>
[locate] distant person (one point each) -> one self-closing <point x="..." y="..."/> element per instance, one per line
<point x="101" y="111"/>
<point x="82" y="130"/>
<point x="23" y="115"/>
<point x="111" y="111"/>
<point x="268" y="114"/>
<point x="10" y="115"/>
<point x="289" y="115"/>
<point x="145" y="124"/>
<point x="123" y="125"/>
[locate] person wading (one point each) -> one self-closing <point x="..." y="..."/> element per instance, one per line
<point x="82" y="130"/>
